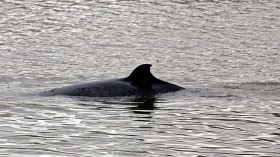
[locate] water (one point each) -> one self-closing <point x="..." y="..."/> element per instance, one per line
<point x="226" y="53"/>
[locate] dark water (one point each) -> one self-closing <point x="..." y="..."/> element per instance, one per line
<point x="226" y="53"/>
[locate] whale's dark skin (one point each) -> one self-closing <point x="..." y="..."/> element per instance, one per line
<point x="140" y="82"/>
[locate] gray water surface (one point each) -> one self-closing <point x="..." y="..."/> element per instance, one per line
<point x="225" y="53"/>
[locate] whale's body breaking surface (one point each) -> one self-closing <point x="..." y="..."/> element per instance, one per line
<point x="140" y="82"/>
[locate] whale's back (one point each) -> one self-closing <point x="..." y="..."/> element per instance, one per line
<point x="108" y="88"/>
<point x="139" y="82"/>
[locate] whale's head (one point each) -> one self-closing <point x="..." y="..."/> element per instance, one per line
<point x="142" y="77"/>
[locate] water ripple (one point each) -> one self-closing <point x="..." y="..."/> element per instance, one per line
<point x="224" y="52"/>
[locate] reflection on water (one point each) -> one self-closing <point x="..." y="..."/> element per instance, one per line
<point x="138" y="104"/>
<point x="144" y="105"/>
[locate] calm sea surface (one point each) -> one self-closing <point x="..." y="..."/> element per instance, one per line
<point x="225" y="53"/>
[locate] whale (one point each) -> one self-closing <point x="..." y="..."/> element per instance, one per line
<point x="141" y="82"/>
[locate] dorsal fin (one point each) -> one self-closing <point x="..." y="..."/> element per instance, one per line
<point x="142" y="77"/>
